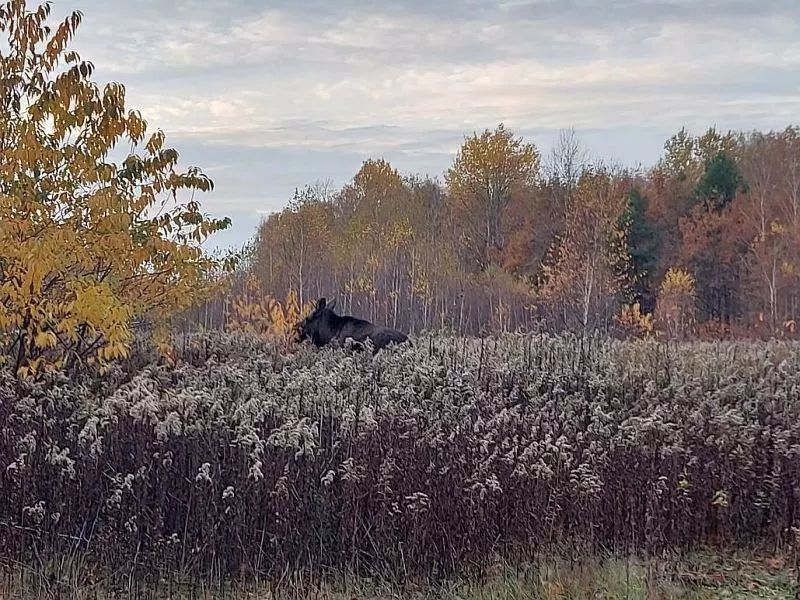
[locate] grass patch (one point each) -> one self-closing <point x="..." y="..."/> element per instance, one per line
<point x="701" y="577"/>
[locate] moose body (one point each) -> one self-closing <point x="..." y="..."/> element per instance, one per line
<point x="323" y="326"/>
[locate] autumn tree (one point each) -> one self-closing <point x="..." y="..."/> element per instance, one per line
<point x="588" y="266"/>
<point x="713" y="236"/>
<point x="488" y="170"/>
<point x="376" y="203"/>
<point x="689" y="193"/>
<point x="770" y="164"/>
<point x="86" y="244"/>
<point x="788" y="191"/>
<point x="536" y="215"/>
<point x="714" y="247"/>
<point x="669" y="189"/>
<point x="292" y="249"/>
<point x="251" y="311"/>
<point x="305" y="240"/>
<point x="675" y="309"/>
<point x="433" y="255"/>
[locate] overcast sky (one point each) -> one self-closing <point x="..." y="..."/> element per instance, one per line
<point x="269" y="96"/>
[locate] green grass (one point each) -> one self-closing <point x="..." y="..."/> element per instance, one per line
<point x="703" y="577"/>
<point x="700" y="579"/>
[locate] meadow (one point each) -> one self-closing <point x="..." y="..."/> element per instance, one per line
<point x="438" y="463"/>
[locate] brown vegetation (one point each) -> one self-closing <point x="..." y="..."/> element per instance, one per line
<point x="423" y="462"/>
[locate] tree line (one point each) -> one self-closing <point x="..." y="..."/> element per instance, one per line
<point x="704" y="243"/>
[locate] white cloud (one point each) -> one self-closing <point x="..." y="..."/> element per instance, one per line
<point x="409" y="79"/>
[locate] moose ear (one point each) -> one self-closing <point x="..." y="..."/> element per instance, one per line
<point x="332" y="304"/>
<point x="321" y="303"/>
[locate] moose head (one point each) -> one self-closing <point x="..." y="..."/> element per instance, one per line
<point x="316" y="325"/>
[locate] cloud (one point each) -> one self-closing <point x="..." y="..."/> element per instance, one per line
<point x="312" y="88"/>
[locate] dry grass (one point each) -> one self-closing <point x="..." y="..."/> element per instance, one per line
<point x="424" y="464"/>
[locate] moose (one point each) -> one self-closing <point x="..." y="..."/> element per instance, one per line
<point x="323" y="326"/>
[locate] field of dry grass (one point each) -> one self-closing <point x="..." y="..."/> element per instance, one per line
<point x="424" y="466"/>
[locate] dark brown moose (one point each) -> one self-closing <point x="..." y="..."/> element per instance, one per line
<point x="323" y="326"/>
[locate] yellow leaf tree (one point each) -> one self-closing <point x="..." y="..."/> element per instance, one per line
<point x="86" y="244"/>
<point x="675" y="310"/>
<point x="488" y="170"/>
<point x="377" y="203"/>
